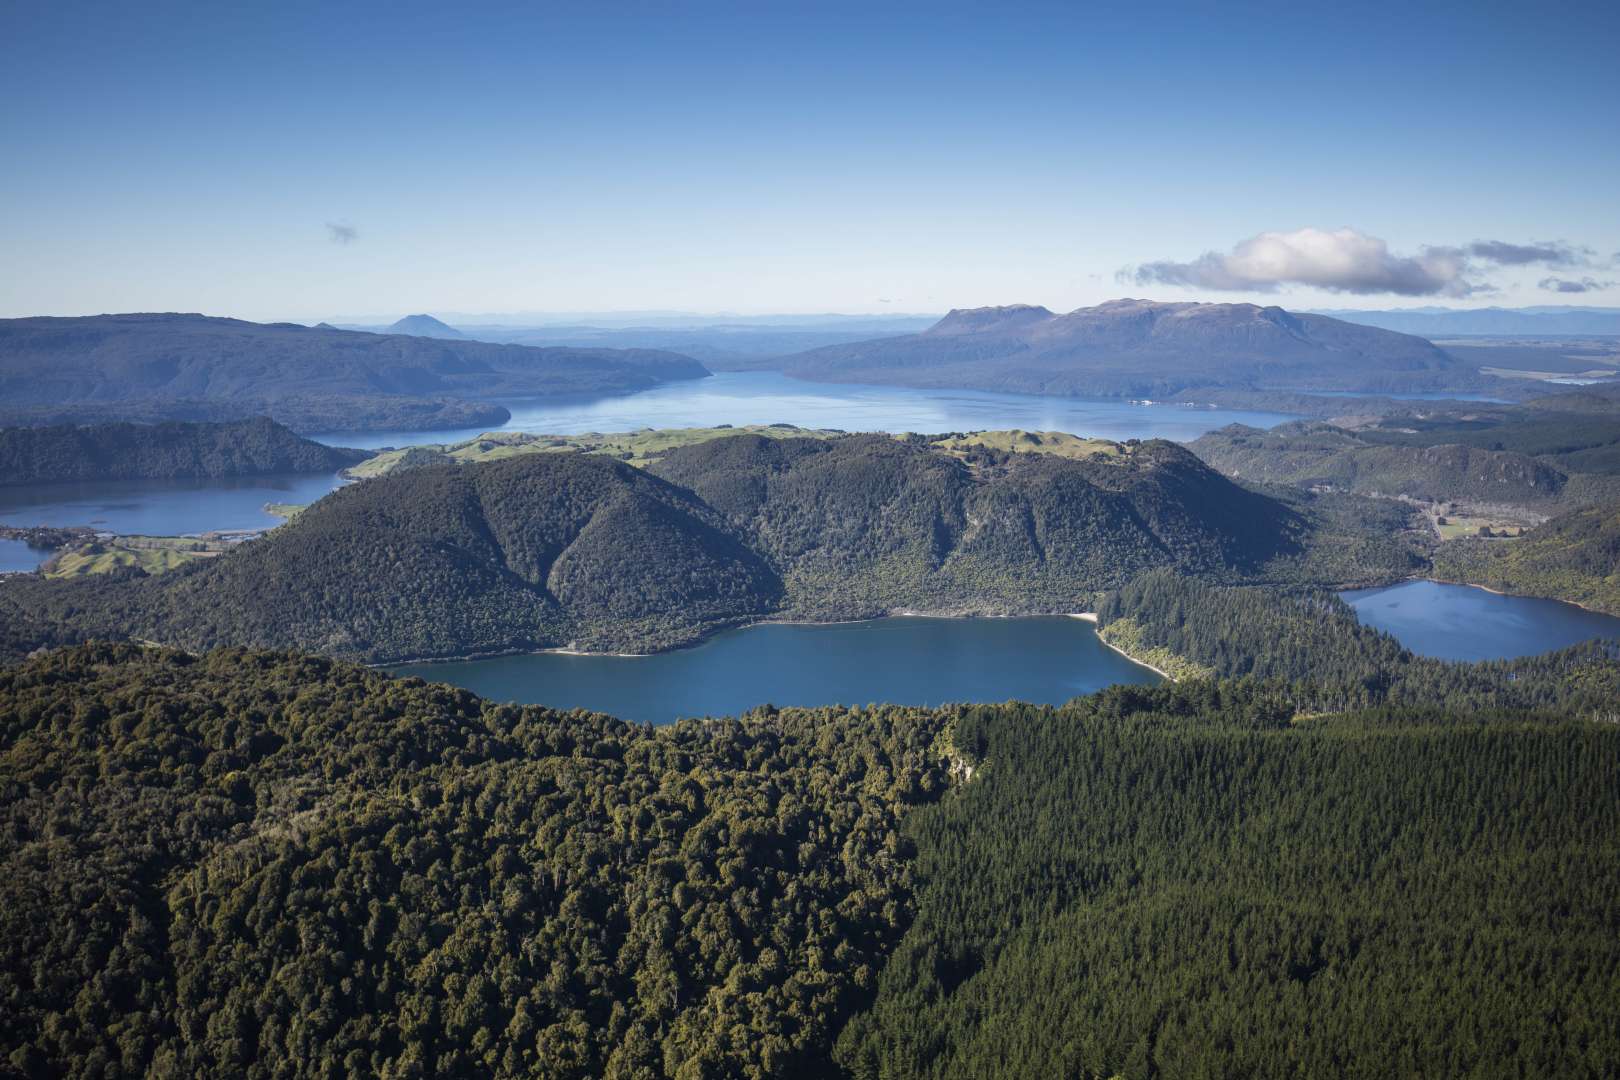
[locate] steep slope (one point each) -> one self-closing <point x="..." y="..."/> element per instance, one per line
<point x="195" y="367"/>
<point x="552" y="549"/>
<point x="162" y="452"/>
<point x="1141" y="348"/>
<point x="533" y="552"/>
<point x="867" y="524"/>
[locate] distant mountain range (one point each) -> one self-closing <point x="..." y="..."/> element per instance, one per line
<point x="1433" y="322"/>
<point x="194" y="367"/>
<point x="723" y="343"/>
<point x="1142" y="348"/>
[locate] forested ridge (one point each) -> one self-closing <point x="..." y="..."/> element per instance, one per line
<point x="255" y="863"/>
<point x="1313" y="640"/>
<point x="552" y="550"/>
<point x="168" y="451"/>
<point x="1311" y="454"/>
<point x="1556" y="453"/>
<point x="167" y="366"/>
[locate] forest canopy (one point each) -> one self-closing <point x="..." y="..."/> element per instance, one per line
<point x="257" y="863"/>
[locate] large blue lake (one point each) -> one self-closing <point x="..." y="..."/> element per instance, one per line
<point x="910" y="661"/>
<point x="768" y="397"/>
<point x="1461" y="622"/>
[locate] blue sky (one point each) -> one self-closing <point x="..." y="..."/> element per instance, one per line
<point x="775" y="157"/>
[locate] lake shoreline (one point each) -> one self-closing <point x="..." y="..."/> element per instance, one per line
<point x="1494" y="592"/>
<point x="1091" y="617"/>
<point x="710" y="635"/>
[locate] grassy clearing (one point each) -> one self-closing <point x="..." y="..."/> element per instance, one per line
<point x="647" y="445"/>
<point x="1455" y="528"/>
<point x="634" y="447"/>
<point x="1017" y="441"/>
<point x="152" y="554"/>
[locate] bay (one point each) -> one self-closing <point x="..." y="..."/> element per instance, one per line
<point x="1464" y="622"/>
<point x="161" y="507"/>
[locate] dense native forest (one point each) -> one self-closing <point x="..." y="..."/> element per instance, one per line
<point x="568" y="549"/>
<point x="167" y="451"/>
<point x="193" y="367"/>
<point x="255" y="863"/>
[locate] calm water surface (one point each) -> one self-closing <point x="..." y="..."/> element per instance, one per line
<point x="1461" y="622"/>
<point x="1404" y="397"/>
<point x="161" y="507"/>
<point x="768" y="397"/>
<point x="16" y="555"/>
<point x="910" y="661"/>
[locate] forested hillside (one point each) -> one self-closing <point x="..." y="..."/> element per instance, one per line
<point x="167" y="451"/>
<point x="1313" y="640"/>
<point x="1183" y="881"/>
<point x="552" y="550"/>
<point x="262" y="864"/>
<point x="1311" y="454"/>
<point x="252" y="863"/>
<point x="173" y="366"/>
<point x="1574" y="557"/>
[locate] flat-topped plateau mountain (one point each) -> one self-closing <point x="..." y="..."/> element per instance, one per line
<point x="195" y="367"/>
<point x="1142" y="348"/>
<point x="552" y="549"/>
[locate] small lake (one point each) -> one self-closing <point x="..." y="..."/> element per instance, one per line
<point x="909" y="661"/>
<point x="16" y="555"/>
<point x="1461" y="622"/>
<point x="768" y="397"/>
<point x="161" y="507"/>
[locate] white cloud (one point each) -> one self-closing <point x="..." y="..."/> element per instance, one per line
<point x="1348" y="261"/>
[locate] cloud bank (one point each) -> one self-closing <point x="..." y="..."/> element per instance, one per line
<point x="1348" y="261"/>
<point x="1567" y="285"/>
